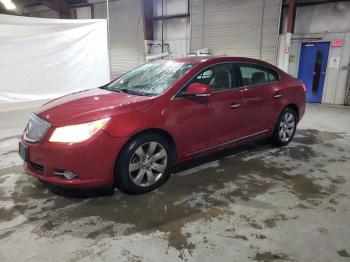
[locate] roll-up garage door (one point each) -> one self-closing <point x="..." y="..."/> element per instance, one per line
<point x="126" y="34"/>
<point x="236" y="27"/>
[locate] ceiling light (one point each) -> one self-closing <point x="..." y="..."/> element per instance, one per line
<point x="9" y="5"/>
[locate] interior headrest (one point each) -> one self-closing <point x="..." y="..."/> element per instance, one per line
<point x="258" y="78"/>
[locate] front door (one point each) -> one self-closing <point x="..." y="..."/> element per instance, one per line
<point x="207" y="122"/>
<point x="312" y="69"/>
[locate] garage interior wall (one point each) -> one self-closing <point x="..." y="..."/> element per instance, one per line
<point x="127" y="49"/>
<point x="175" y="31"/>
<point x="314" y="19"/>
<point x="239" y="28"/>
<point x="83" y="12"/>
<point x="336" y="80"/>
<point x="322" y="23"/>
<point x="41" y="11"/>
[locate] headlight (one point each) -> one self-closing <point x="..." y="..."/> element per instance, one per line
<point x="77" y="133"/>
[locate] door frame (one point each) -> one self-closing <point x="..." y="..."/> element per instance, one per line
<point x="300" y="60"/>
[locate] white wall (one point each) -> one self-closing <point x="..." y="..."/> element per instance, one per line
<point x="333" y="17"/>
<point x="51" y="57"/>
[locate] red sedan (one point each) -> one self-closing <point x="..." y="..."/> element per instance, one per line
<point x="130" y="132"/>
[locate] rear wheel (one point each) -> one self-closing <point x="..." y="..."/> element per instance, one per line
<point x="285" y="127"/>
<point x="144" y="164"/>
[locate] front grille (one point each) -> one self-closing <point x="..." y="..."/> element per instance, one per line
<point x="36" y="129"/>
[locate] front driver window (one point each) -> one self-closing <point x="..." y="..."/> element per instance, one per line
<point x="217" y="76"/>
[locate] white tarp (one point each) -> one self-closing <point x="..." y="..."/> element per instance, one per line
<point x="47" y="58"/>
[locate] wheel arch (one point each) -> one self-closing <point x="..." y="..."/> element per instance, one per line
<point x="170" y="139"/>
<point x="295" y="108"/>
<point x="290" y="105"/>
<point x="117" y="182"/>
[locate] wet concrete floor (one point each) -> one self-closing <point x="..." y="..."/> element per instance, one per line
<point x="251" y="203"/>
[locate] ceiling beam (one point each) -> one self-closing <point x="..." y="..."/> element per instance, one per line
<point x="313" y="2"/>
<point x="291" y="16"/>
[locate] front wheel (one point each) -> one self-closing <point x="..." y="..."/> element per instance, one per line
<point x="285" y="127"/>
<point x="144" y="164"/>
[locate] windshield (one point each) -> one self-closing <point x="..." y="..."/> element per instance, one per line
<point x="150" y="79"/>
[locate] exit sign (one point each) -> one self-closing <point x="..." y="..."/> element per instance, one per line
<point x="337" y="42"/>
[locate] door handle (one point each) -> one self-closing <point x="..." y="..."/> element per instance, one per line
<point x="233" y="106"/>
<point x="278" y="96"/>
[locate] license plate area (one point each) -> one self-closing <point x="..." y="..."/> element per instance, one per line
<point x="23" y="151"/>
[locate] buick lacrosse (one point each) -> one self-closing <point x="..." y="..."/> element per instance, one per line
<point x="128" y="133"/>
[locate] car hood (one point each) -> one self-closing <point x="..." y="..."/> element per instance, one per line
<point x="91" y="105"/>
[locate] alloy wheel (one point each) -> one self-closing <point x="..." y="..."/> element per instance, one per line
<point x="286" y="127"/>
<point x="147" y="164"/>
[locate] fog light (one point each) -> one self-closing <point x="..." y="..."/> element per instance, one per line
<point x="65" y="174"/>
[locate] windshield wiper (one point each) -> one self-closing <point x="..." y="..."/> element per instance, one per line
<point x="128" y="91"/>
<point x="104" y="87"/>
<point x="112" y="89"/>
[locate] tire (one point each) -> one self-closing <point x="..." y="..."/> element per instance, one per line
<point x="144" y="164"/>
<point x="285" y="128"/>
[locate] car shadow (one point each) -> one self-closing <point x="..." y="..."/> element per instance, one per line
<point x="220" y="155"/>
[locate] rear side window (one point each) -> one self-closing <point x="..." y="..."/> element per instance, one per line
<point x="253" y="74"/>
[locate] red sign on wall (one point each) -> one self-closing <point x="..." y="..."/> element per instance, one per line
<point x="337" y="42"/>
<point x="286" y="49"/>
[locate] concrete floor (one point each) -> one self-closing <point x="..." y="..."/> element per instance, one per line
<point x="254" y="203"/>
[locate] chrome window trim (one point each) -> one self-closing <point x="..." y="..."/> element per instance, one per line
<point x="176" y="95"/>
<point x="246" y="86"/>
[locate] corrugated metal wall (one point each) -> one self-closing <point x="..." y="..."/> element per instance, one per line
<point x="127" y="49"/>
<point x="240" y="28"/>
<point x="230" y="27"/>
<point x="175" y="31"/>
<point x="335" y="83"/>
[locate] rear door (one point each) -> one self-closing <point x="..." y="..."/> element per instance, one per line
<point x="259" y="89"/>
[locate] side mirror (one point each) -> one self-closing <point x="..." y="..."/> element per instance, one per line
<point x="198" y="89"/>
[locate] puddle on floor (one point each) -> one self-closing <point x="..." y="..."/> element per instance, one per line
<point x="205" y="194"/>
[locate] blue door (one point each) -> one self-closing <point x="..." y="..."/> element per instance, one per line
<point x="312" y="69"/>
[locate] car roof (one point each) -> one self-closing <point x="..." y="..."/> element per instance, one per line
<point x="214" y="59"/>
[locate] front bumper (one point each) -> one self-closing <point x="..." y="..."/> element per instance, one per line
<point x="92" y="161"/>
